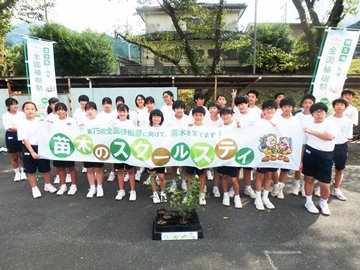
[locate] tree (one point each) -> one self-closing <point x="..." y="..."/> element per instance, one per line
<point x="314" y="28"/>
<point x="85" y="53"/>
<point x="277" y="50"/>
<point x="25" y="10"/>
<point x="203" y="22"/>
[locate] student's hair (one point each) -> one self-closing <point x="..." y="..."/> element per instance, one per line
<point x="169" y="93"/>
<point x="51" y="101"/>
<point x="278" y="94"/>
<point x="287" y="102"/>
<point x="221" y="95"/>
<point x="214" y="104"/>
<point x="318" y="106"/>
<point x="83" y="98"/>
<point x="253" y="91"/>
<point x="348" y="91"/>
<point x="29" y="102"/>
<point x="156" y="112"/>
<point x="226" y="111"/>
<point x="60" y="106"/>
<point x="178" y="104"/>
<point x="90" y="105"/>
<point x="149" y="99"/>
<point x="268" y="104"/>
<point x="340" y="100"/>
<point x="307" y="96"/>
<point x="199" y="109"/>
<point x="241" y="100"/>
<point x="10" y="101"/>
<point x="198" y="95"/>
<point x="123" y="108"/>
<point x="106" y="100"/>
<point x="119" y="98"/>
<point x="142" y="97"/>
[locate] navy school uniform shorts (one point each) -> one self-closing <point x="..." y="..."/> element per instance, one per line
<point x="12" y="143"/>
<point x="340" y="156"/>
<point x="122" y="166"/>
<point x="227" y="170"/>
<point x="31" y="164"/>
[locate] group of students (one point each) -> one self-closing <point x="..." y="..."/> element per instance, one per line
<point x="325" y="143"/>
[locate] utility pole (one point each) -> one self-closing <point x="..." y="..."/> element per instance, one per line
<point x="46" y="12"/>
<point x="255" y="19"/>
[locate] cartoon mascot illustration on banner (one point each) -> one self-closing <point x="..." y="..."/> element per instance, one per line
<point x="284" y="148"/>
<point x="268" y="146"/>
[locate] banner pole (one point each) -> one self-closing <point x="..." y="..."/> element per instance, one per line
<point x="26" y="67"/>
<point x="317" y="61"/>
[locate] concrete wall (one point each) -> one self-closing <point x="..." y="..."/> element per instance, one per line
<point x="96" y="95"/>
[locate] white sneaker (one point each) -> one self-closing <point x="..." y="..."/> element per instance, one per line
<point x="84" y="170"/>
<point x="231" y="192"/>
<point x="275" y="190"/>
<point x="137" y="176"/>
<point x="209" y="175"/>
<point x="280" y="195"/>
<point x="259" y="204"/>
<point x="163" y="197"/>
<point x="317" y="191"/>
<point x="57" y="179"/>
<point x="132" y="196"/>
<point x="68" y="178"/>
<point x="126" y="177"/>
<point x="183" y="185"/>
<point x="121" y="194"/>
<point x="155" y="197"/>
<point x="36" y="192"/>
<point x="237" y="201"/>
<point x="267" y="203"/>
<point x="72" y="190"/>
<point x="91" y="193"/>
<point x="311" y="208"/>
<point x="296" y="188"/>
<point x="324" y="206"/>
<point x="99" y="191"/>
<point x="111" y="177"/>
<point x="50" y="188"/>
<point x="202" y="199"/>
<point x="226" y="199"/>
<point x="173" y="186"/>
<point x="61" y="190"/>
<point x="23" y="176"/>
<point x="250" y="192"/>
<point x="338" y="194"/>
<point x="216" y="192"/>
<point x="17" y="177"/>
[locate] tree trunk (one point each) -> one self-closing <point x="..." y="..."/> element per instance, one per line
<point x="218" y="41"/>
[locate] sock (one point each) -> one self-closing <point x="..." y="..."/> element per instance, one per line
<point x="99" y="186"/>
<point x="73" y="186"/>
<point x="35" y="188"/>
<point x="266" y="194"/>
<point x="47" y="184"/>
<point x="276" y="185"/>
<point x="309" y="199"/>
<point x="17" y="170"/>
<point x="336" y="189"/>
<point x="323" y="201"/>
<point x="247" y="187"/>
<point x="64" y="185"/>
<point x="258" y="195"/>
<point x="92" y="187"/>
<point x="226" y="194"/>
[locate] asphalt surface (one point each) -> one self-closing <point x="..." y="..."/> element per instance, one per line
<point x="63" y="232"/>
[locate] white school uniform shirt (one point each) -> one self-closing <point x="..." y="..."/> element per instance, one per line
<point x="231" y="126"/>
<point x="327" y="126"/>
<point x="256" y="110"/>
<point x="305" y="120"/>
<point x="183" y="122"/>
<point x="167" y="112"/>
<point x="124" y="124"/>
<point x="345" y="131"/>
<point x="247" y="120"/>
<point x="352" y="113"/>
<point x="89" y="123"/>
<point x="278" y="112"/>
<point x="51" y="117"/>
<point x="144" y="120"/>
<point x="12" y="120"/>
<point x="80" y="116"/>
<point x="210" y="123"/>
<point x="107" y="117"/>
<point x="138" y="115"/>
<point x="29" y="130"/>
<point x="68" y="121"/>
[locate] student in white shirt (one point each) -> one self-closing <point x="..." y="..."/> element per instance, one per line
<point x="351" y="112"/>
<point x="28" y="133"/>
<point x="277" y="98"/>
<point x="52" y="116"/>
<point x="11" y="120"/>
<point x="107" y="114"/>
<point x="318" y="155"/>
<point x="253" y="96"/>
<point x="342" y="139"/>
<point x="167" y="109"/>
<point x="222" y="100"/>
<point x="199" y="99"/>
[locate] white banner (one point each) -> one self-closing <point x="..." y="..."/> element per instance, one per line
<point x="41" y="72"/>
<point x="334" y="64"/>
<point x="257" y="146"/>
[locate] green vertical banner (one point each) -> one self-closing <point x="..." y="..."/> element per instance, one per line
<point x="334" y="64"/>
<point x="41" y="72"/>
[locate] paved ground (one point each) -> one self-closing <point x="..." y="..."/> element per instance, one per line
<point x="78" y="233"/>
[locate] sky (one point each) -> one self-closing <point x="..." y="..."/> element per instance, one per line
<point x="108" y="15"/>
